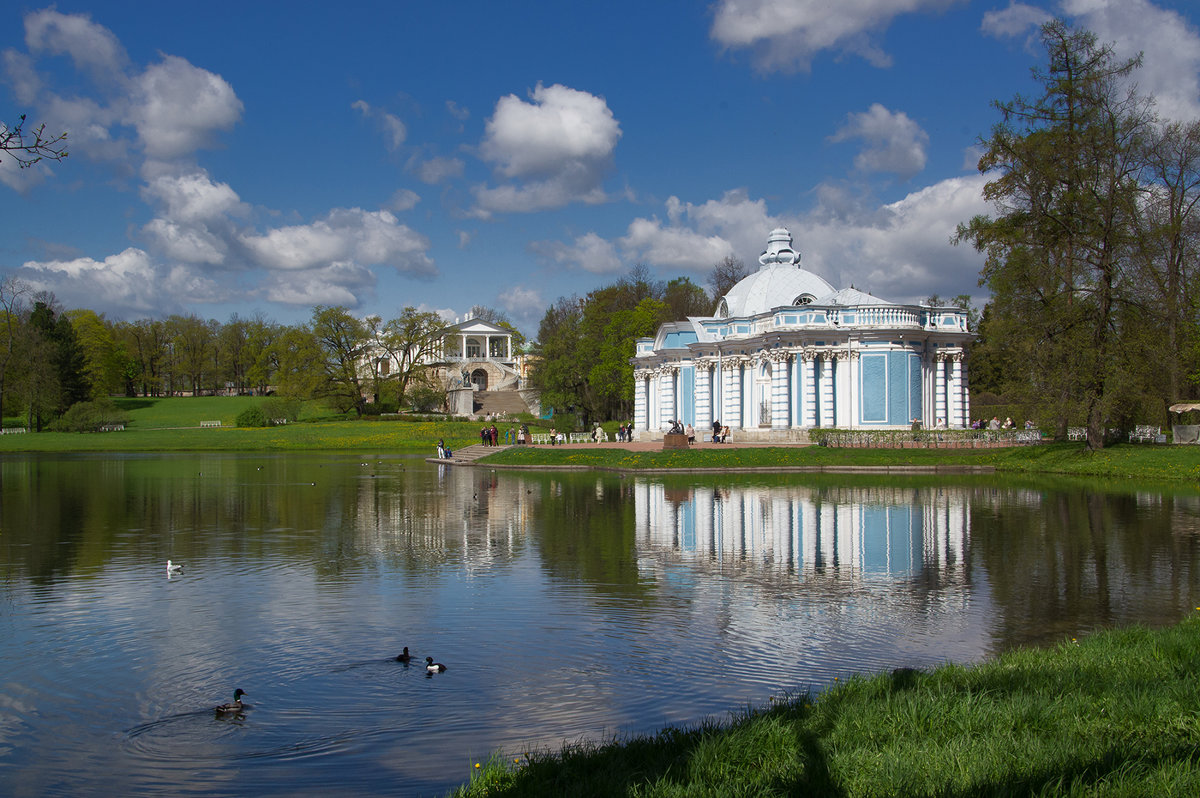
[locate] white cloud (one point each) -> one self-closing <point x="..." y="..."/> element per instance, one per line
<point x="394" y="129"/>
<point x="436" y="169"/>
<point x="178" y="108"/>
<point x="403" y="200"/>
<point x="588" y="252"/>
<point x="893" y="141"/>
<point x="339" y="283"/>
<point x="1015" y="20"/>
<point x="787" y="34"/>
<point x="126" y="284"/>
<point x="343" y="235"/>
<point x="900" y="251"/>
<point x="187" y="243"/>
<point x="92" y="47"/>
<point x="192" y="197"/>
<point x="647" y="240"/>
<point x="457" y="111"/>
<point x="1170" y="47"/>
<point x="559" y="147"/>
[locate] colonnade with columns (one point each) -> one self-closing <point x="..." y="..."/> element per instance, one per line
<point x="784" y="389"/>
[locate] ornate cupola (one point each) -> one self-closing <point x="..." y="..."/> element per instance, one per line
<point x="779" y="250"/>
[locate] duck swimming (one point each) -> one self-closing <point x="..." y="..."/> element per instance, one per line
<point x="404" y="656"/>
<point x="236" y="706"/>
<point x="433" y="667"/>
<point x="173" y="568"/>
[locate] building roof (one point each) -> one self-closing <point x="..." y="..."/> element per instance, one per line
<point x="771" y="287"/>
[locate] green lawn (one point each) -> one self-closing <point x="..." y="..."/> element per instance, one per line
<point x="1115" y="714"/>
<point x="1152" y="463"/>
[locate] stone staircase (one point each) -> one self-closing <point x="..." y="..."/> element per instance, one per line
<point x="499" y="403"/>
<point x="472" y="453"/>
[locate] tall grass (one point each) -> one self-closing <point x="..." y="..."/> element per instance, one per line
<point x="1117" y="713"/>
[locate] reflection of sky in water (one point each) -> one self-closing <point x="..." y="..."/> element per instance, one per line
<point x="566" y="605"/>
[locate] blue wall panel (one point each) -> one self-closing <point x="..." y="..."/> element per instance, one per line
<point x="897" y="399"/>
<point x="874" y="388"/>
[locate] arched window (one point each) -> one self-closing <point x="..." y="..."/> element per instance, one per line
<point x="474" y="349"/>
<point x="803" y="299"/>
<point x="722" y="309"/>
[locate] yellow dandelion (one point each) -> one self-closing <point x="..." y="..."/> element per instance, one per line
<point x="476" y="764"/>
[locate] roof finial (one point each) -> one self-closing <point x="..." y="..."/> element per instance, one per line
<point x="779" y="250"/>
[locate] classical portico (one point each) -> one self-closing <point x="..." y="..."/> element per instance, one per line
<point x="787" y="352"/>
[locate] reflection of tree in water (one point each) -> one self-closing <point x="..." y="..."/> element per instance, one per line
<point x="1082" y="559"/>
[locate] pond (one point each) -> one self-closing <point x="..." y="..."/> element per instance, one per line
<point x="566" y="606"/>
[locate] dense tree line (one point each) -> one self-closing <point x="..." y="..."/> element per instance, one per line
<point x="585" y="345"/>
<point x="1091" y="256"/>
<point x="52" y="359"/>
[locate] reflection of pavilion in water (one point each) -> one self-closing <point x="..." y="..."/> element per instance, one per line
<point x="847" y="532"/>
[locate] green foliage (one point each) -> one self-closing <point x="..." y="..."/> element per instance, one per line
<point x="585" y="345"/>
<point x="281" y="408"/>
<point x="90" y="416"/>
<point x="253" y="417"/>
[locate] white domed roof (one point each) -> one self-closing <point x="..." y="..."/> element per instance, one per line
<point x="779" y="281"/>
<point x="772" y="287"/>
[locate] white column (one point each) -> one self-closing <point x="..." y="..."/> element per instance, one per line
<point x="795" y="393"/>
<point x="704" y="416"/>
<point x="733" y="402"/>
<point x="641" y="386"/>
<point x="853" y="387"/>
<point x="966" y="393"/>
<point x="939" y="390"/>
<point x="779" y="393"/>
<point x="809" y="390"/>
<point x="957" y="414"/>
<point x="666" y="396"/>
<point x="842" y="404"/>
<point x="827" y="394"/>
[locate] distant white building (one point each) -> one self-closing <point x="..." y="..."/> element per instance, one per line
<point x="478" y="353"/>
<point x="787" y="352"/>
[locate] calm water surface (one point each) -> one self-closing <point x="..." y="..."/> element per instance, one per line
<point x="565" y="606"/>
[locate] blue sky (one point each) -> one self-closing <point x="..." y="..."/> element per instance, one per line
<point x="253" y="157"/>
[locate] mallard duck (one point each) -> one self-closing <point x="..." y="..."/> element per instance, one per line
<point x="433" y="667"/>
<point x="173" y="568"/>
<point x="404" y="656"/>
<point x="236" y="706"/>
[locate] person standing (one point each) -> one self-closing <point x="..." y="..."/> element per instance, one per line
<point x="716" y="436"/>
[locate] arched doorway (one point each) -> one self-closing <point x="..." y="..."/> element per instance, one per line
<point x="479" y="378"/>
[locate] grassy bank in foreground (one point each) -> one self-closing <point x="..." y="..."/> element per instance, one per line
<point x="1112" y="714"/>
<point x="1143" y="462"/>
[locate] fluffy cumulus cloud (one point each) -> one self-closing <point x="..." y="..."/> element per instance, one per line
<point x="900" y="251"/>
<point x="129" y="283"/>
<point x="178" y="107"/>
<point x="555" y="149"/>
<point x="892" y="141"/>
<point x="344" y="235"/>
<point x="340" y="283"/>
<point x="695" y="237"/>
<point x="588" y="252"/>
<point x="1169" y="46"/>
<point x="787" y="34"/>
<point x="93" y="48"/>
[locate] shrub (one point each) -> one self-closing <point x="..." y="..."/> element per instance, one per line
<point x="253" y="417"/>
<point x="277" y="408"/>
<point x="90" y="417"/>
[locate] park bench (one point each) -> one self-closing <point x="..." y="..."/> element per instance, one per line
<point x="210" y="423"/>
<point x="1076" y="433"/>
<point x="13" y="430"/>
<point x="112" y="427"/>
<point x="1144" y="433"/>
